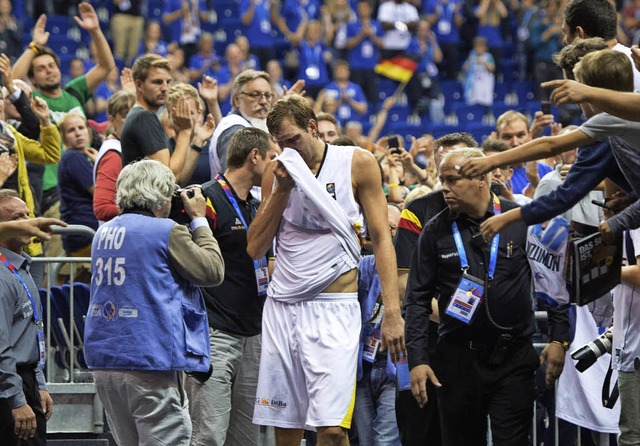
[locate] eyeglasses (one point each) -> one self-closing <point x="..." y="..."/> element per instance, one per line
<point x="256" y="95"/>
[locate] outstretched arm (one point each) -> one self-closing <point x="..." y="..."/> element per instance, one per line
<point x="88" y="21"/>
<point x="39" y="41"/>
<point x="617" y="103"/>
<point x="533" y="150"/>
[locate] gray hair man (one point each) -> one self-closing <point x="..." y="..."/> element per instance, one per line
<point x="148" y="322"/>
<point x="251" y="98"/>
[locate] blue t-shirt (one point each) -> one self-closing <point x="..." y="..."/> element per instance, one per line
<point x="75" y="177"/>
<point x="365" y="54"/>
<point x="425" y="61"/>
<point x="258" y="32"/>
<point x="102" y="92"/>
<point x="198" y="61"/>
<point x="345" y="112"/>
<point x="519" y="178"/>
<point x="175" y="28"/>
<point x="445" y="28"/>
<point x="313" y="68"/>
<point x="293" y="11"/>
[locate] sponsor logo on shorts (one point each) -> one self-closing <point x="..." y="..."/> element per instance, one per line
<point x="269" y="402"/>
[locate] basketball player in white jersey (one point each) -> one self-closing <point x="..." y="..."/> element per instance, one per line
<point x="313" y="196"/>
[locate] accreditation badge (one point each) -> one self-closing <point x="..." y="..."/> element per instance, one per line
<point x="313" y="72"/>
<point x="262" y="277"/>
<point x="466" y="299"/>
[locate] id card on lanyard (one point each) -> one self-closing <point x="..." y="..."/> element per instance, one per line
<point x="467" y="297"/>
<point x="36" y="316"/>
<point x="260" y="266"/>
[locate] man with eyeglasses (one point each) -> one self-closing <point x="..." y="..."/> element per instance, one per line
<point x="421" y="425"/>
<point x="251" y="99"/>
<point x="484" y="362"/>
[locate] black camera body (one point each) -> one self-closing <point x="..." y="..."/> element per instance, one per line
<point x="178" y="213"/>
<point x="589" y="353"/>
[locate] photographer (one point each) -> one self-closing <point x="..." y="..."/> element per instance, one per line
<point x="147" y="319"/>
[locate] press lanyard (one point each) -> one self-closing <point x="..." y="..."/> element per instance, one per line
<point x="494" y="244"/>
<point x="257" y="264"/>
<point x="36" y="317"/>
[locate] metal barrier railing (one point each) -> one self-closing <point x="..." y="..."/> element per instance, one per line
<point x="78" y="408"/>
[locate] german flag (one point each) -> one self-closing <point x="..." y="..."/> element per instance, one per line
<point x="410" y="222"/>
<point x="398" y="68"/>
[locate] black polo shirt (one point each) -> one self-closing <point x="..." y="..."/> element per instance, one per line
<point x="234" y="306"/>
<point x="436" y="266"/>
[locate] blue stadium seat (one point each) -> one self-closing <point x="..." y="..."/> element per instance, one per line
<point x="453" y="93"/>
<point x="69" y="328"/>
<point x="439" y="130"/>
<point x="56" y="340"/>
<point x="58" y="24"/>
<point x="525" y="91"/>
<point x="500" y="90"/>
<point x="469" y="114"/>
<point x="405" y="130"/>
<point x="509" y="69"/>
<point x="480" y="132"/>
<point x="398" y="114"/>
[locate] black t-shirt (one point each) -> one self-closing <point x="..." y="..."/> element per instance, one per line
<point x="413" y="218"/>
<point x="141" y="135"/>
<point x="233" y="306"/>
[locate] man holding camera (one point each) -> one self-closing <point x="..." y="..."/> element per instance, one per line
<point x="147" y="321"/>
<point x="222" y="407"/>
<point x="484" y="362"/>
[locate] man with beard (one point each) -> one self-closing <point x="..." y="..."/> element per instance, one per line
<point x="42" y="66"/>
<point x="251" y="98"/>
<point x="142" y="133"/>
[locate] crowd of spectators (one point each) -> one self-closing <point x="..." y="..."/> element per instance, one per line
<point x="191" y="72"/>
<point x="305" y="39"/>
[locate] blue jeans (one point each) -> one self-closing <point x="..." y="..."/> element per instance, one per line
<point x="374" y="414"/>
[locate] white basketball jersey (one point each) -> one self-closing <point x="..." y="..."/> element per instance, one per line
<point x="309" y="256"/>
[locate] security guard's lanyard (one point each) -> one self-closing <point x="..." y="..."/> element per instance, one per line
<point x="36" y="316"/>
<point x="494" y="244"/>
<point x="260" y="266"/>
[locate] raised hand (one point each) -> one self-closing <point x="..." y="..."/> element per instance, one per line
<point x="41" y="110"/>
<point x="181" y="115"/>
<point x="208" y="89"/>
<point x="40" y="36"/>
<point x="88" y="19"/>
<point x="5" y="71"/>
<point x="126" y="80"/>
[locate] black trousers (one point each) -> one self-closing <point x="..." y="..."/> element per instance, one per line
<point x="30" y="389"/>
<point x="472" y="389"/>
<point x="420" y="426"/>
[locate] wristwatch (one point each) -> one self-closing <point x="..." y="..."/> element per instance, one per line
<point x="564" y="344"/>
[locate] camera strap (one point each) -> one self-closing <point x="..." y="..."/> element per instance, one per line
<point x="609" y="398"/>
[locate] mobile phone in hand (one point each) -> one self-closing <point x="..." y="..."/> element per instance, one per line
<point x="602" y="205"/>
<point x="545" y="107"/>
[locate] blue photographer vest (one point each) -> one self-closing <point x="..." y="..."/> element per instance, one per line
<point x="142" y="315"/>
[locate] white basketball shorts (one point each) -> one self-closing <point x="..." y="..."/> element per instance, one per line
<point x="308" y="363"/>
